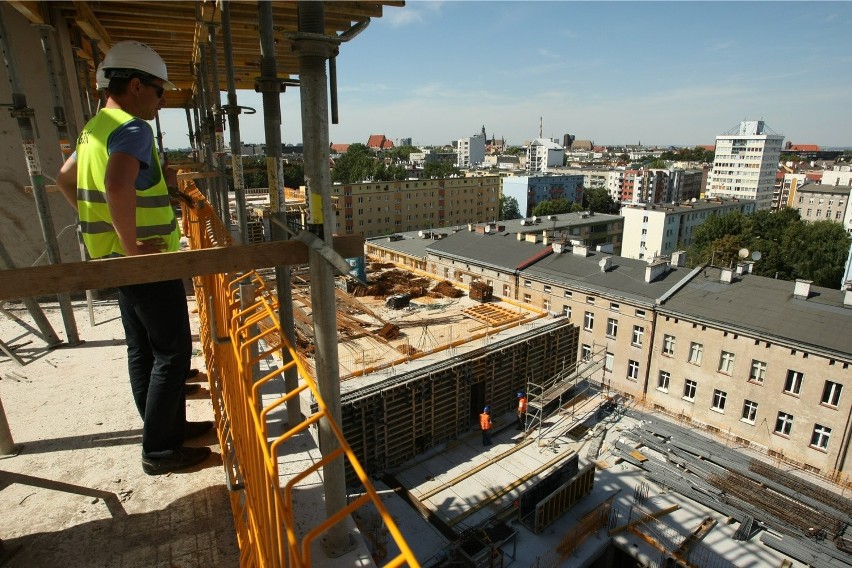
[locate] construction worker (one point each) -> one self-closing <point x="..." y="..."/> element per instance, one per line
<point x="121" y="194"/>
<point x="522" y="410"/>
<point x="485" y="425"/>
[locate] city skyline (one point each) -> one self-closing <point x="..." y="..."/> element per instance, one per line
<point x="656" y="73"/>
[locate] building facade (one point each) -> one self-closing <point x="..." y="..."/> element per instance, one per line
<point x="745" y="164"/>
<point x="653" y="230"/>
<point x="529" y="191"/>
<point x="543" y="155"/>
<point x="819" y="202"/>
<point x="375" y="209"/>
<point x="471" y="151"/>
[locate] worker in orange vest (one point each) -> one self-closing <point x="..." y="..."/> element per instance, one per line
<point x="522" y="410"/>
<point x="485" y="425"/>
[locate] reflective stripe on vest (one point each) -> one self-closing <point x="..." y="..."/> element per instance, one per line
<point x="154" y="214"/>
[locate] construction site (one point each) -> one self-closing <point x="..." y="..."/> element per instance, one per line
<point x="347" y="402"/>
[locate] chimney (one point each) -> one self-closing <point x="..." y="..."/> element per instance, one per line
<point x="727" y="276"/>
<point x="605" y="263"/>
<point x="545" y="240"/>
<point x="655" y="269"/>
<point x="558" y="247"/>
<point x="531" y="238"/>
<point x="749" y="266"/>
<point x="580" y="250"/>
<point x="802" y="289"/>
<point x="741" y="269"/>
<point x="679" y="258"/>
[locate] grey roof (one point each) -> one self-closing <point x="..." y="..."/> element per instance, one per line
<point x="411" y="244"/>
<point x="502" y="251"/>
<point x="624" y="279"/>
<point x="767" y="308"/>
<point x="562" y="221"/>
<point x="824" y="188"/>
<point x="691" y="206"/>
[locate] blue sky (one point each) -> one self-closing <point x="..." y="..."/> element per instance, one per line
<point x="659" y="73"/>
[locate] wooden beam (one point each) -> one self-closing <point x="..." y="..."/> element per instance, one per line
<point x="76" y="276"/>
<point x="87" y="22"/>
<point x="29" y="10"/>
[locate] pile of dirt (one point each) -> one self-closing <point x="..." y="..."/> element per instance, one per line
<point x="392" y="282"/>
<point x="445" y="289"/>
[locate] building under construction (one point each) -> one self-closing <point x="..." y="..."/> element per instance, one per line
<point x="369" y="390"/>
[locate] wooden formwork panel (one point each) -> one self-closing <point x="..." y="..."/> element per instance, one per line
<point x="492" y="315"/>
<point x="408" y="417"/>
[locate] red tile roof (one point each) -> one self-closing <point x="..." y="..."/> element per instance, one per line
<point x="379" y="142"/>
<point x="804" y="148"/>
<point x="339" y="148"/>
<point x="814" y="176"/>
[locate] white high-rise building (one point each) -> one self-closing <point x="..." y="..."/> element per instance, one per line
<point x="543" y="155"/>
<point x="471" y="151"/>
<point x="745" y="164"/>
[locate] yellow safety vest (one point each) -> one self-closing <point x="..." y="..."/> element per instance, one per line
<point x="154" y="214"/>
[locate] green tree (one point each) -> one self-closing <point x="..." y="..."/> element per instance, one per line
<point x="384" y="172"/>
<point x="598" y="200"/>
<point x="658" y="164"/>
<point x="514" y="150"/>
<point x="696" y="154"/>
<point x="710" y="243"/>
<point x="400" y="153"/>
<point x="552" y="207"/>
<point x="509" y="208"/>
<point x="817" y="251"/>
<point x="439" y="169"/>
<point x="356" y="165"/>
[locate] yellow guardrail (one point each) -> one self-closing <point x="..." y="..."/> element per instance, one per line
<point x="239" y="329"/>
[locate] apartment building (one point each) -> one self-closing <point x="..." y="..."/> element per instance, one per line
<point x="381" y="208"/>
<point x="837" y="175"/>
<point x="766" y="362"/>
<point x="644" y="186"/>
<point x="544" y="154"/>
<point x="763" y="362"/>
<point x="609" y="179"/>
<point x="745" y="164"/>
<point x="653" y="230"/>
<point x="471" y="151"/>
<point x="529" y="191"/>
<point x="820" y="202"/>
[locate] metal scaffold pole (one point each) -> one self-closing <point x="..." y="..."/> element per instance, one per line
<point x="313" y="50"/>
<point x="271" y="87"/>
<point x="232" y="110"/>
<point x="61" y="123"/>
<point x="24" y="116"/>
<point x="217" y="123"/>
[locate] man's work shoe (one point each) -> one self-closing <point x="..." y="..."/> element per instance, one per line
<point x="191" y="388"/>
<point x="181" y="458"/>
<point x="192" y="373"/>
<point x="196" y="429"/>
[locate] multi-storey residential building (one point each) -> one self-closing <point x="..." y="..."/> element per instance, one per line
<point x="819" y="202"/>
<point x="544" y="154"/>
<point x="764" y="362"/>
<point x="374" y="209"/>
<point x="837" y="175"/>
<point x="644" y="186"/>
<point x="529" y="191"/>
<point x="653" y="230"/>
<point x="610" y="179"/>
<point x="745" y="164"/>
<point x="685" y="185"/>
<point x="471" y="151"/>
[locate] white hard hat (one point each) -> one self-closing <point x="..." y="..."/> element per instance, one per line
<point x="100" y="79"/>
<point x="136" y="55"/>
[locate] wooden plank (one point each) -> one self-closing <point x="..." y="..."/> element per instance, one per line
<point x="108" y="273"/>
<point x="638" y="456"/>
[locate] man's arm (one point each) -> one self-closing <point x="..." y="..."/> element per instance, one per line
<point x="66" y="180"/>
<point x="121" y="172"/>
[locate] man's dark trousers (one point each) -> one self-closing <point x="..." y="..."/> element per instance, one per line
<point x="159" y="349"/>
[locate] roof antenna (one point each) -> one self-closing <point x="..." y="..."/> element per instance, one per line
<point x="539" y="127"/>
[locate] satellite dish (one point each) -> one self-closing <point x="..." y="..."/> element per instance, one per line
<point x="756" y="255"/>
<point x="743" y="253"/>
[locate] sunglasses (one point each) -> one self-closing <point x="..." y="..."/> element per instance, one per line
<point x="157" y="88"/>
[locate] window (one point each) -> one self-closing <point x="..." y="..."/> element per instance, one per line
<point x="719" y="398"/>
<point x="527" y="284"/>
<point x="527" y="298"/>
<point x="589" y="321"/>
<point x="749" y="411"/>
<point x="638" y="332"/>
<point x="819" y="439"/>
<point x="640" y="313"/>
<point x="689" y="388"/>
<point x="568" y="294"/>
<point x="668" y="345"/>
<point x="545" y="304"/>
<point x="695" y="351"/>
<point x="784" y="424"/>
<point x="831" y="393"/>
<point x="663" y="381"/>
<point x="590" y="300"/>
<point x="586" y="352"/>
<point x="567" y="311"/>
<point x="611" y="327"/>
<point x="793" y="384"/>
<point x="609" y="360"/>
<point x="633" y="370"/>
<point x="613" y="306"/>
<point x="726" y="363"/>
<point x="758" y="371"/>
<point x="546" y="289"/>
<point x="506" y="289"/>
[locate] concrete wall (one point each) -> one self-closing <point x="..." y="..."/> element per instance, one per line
<point x="20" y="229"/>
